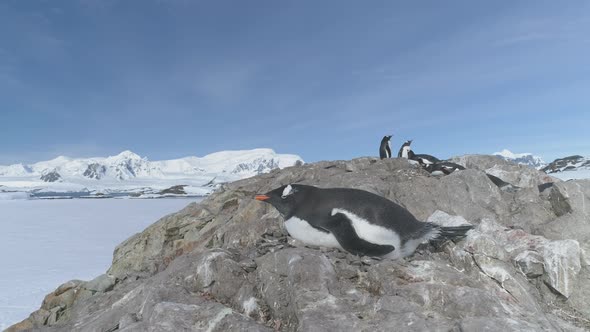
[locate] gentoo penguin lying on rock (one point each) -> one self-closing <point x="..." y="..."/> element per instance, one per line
<point x="443" y="168"/>
<point x="357" y="221"/>
<point x="385" y="148"/>
<point x="423" y="159"/>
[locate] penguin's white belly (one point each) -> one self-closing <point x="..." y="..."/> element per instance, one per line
<point x="406" y="152"/>
<point x="304" y="232"/>
<point x="426" y="161"/>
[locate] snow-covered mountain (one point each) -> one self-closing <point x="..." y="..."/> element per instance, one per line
<point x="572" y="167"/>
<point x="128" y="171"/>
<point x="527" y="159"/>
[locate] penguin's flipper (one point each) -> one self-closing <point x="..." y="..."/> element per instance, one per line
<point x="341" y="227"/>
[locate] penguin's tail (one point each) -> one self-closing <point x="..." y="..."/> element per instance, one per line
<point x="452" y="232"/>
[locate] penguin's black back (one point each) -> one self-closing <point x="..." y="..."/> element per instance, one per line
<point x="428" y="157"/>
<point x="319" y="203"/>
<point x="384" y="149"/>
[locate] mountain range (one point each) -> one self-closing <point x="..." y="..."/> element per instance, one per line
<point x="572" y="167"/>
<point x="128" y="171"/>
<point x="130" y="174"/>
<point x="527" y="159"/>
<point x="566" y="168"/>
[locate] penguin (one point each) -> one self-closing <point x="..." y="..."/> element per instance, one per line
<point x="385" y="148"/>
<point x="354" y="220"/>
<point x="405" y="150"/>
<point x="443" y="168"/>
<point x="425" y="159"/>
<point x="422" y="159"/>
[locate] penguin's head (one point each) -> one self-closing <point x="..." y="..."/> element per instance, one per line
<point x="408" y="142"/>
<point x="285" y="198"/>
<point x="386" y="138"/>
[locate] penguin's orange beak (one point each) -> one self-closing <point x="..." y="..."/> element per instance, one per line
<point x="261" y="197"/>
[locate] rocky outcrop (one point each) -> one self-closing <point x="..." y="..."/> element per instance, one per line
<point x="174" y="190"/>
<point x="567" y="164"/>
<point x="51" y="176"/>
<point x="95" y="171"/>
<point x="228" y="264"/>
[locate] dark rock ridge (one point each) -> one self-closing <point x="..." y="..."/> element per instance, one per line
<point x="52" y="176"/>
<point x="260" y="165"/>
<point x="227" y="264"/>
<point x="175" y="190"/>
<point x="95" y="171"/>
<point x="567" y="164"/>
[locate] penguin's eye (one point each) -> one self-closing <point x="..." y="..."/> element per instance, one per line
<point x="287" y="192"/>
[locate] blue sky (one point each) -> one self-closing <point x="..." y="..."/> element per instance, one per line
<point x="322" y="79"/>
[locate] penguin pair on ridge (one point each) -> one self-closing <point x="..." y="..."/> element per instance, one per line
<point x="405" y="152"/>
<point x="437" y="167"/>
<point x="354" y="220"/>
<point x="430" y="163"/>
<point x="423" y="159"/>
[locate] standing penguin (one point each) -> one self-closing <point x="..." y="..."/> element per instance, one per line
<point x="385" y="148"/>
<point x="405" y="150"/>
<point x="357" y="221"/>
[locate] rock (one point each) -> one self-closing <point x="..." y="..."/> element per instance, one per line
<point x="494" y="324"/>
<point x="562" y="265"/>
<point x="227" y="263"/>
<point x="55" y="314"/>
<point x="127" y="321"/>
<point x="175" y="190"/>
<point x="517" y="175"/>
<point x="25" y="325"/>
<point x="39" y="317"/>
<point x="95" y="171"/>
<point x="530" y="263"/>
<point x="52" y="176"/>
<point x="559" y="202"/>
<point x="446" y="220"/>
<point x="103" y="283"/>
<point x="67" y="286"/>
<point x="211" y="318"/>
<point x="485" y="245"/>
<point x="217" y="274"/>
<point x="59" y="299"/>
